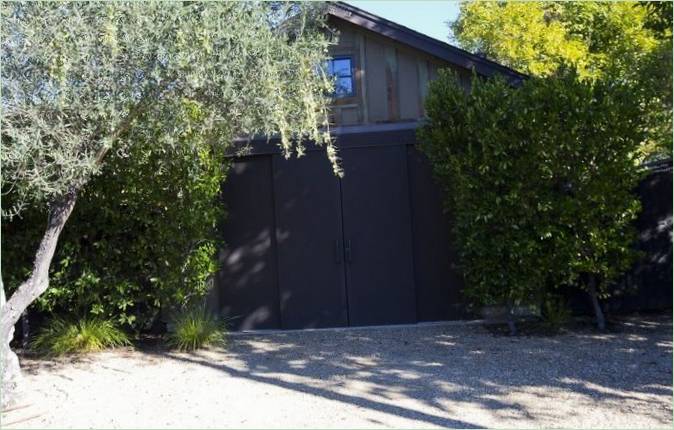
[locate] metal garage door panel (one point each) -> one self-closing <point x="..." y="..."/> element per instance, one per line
<point x="377" y="225"/>
<point x="246" y="282"/>
<point x="311" y="270"/>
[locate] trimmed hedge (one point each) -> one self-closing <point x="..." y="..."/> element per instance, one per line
<point x="538" y="180"/>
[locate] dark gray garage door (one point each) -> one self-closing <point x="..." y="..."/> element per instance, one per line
<point x="307" y="249"/>
<point x="344" y="246"/>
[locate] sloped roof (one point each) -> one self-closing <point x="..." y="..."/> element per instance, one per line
<point x="414" y="39"/>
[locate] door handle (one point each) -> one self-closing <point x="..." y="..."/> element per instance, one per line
<point x="347" y="251"/>
<point x="338" y="252"/>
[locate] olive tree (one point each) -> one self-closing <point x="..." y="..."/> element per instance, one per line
<point x="82" y="79"/>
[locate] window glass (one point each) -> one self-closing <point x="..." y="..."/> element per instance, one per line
<point x="343" y="86"/>
<point x="341" y="69"/>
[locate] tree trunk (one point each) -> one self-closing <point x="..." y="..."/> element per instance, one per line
<point x="592" y="291"/>
<point x="9" y="359"/>
<point x="27" y="292"/>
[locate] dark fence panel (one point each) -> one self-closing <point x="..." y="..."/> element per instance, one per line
<point x="648" y="286"/>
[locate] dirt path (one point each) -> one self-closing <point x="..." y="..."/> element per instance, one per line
<point x="440" y="376"/>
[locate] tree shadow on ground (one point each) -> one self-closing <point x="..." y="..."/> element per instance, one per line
<point x="426" y="373"/>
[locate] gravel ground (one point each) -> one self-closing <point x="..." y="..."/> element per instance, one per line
<point x="413" y="377"/>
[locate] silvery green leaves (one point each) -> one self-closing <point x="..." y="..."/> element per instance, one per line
<point x="78" y="77"/>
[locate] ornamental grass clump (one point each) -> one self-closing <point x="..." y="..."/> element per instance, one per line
<point x="195" y="329"/>
<point x="61" y="336"/>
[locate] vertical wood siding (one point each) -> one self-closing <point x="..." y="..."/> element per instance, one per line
<point x="391" y="79"/>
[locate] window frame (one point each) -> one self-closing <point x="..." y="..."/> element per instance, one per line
<point x="352" y="75"/>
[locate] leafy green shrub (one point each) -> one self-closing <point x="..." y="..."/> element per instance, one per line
<point x="555" y="312"/>
<point x="197" y="328"/>
<point x="60" y="336"/>
<point x="142" y="236"/>
<point x="539" y="180"/>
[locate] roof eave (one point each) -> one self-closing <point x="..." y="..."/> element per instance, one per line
<point x="436" y="48"/>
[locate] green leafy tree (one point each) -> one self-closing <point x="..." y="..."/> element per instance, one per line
<point x="520" y="35"/>
<point x="657" y="76"/>
<point x="538" y="37"/>
<point x="625" y="41"/>
<point x="539" y="182"/>
<point x="82" y="79"/>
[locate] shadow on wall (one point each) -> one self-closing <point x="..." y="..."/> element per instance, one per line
<point x="431" y="374"/>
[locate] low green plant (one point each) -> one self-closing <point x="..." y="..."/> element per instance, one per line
<point x="197" y="328"/>
<point x="555" y="313"/>
<point x="61" y="336"/>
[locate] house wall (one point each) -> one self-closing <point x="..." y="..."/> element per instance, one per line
<point x="391" y="79"/>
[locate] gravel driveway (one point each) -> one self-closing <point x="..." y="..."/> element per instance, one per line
<point x="421" y="376"/>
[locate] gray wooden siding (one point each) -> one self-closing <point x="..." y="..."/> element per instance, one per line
<point x="391" y="79"/>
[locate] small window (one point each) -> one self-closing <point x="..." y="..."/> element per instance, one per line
<point x="341" y="69"/>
